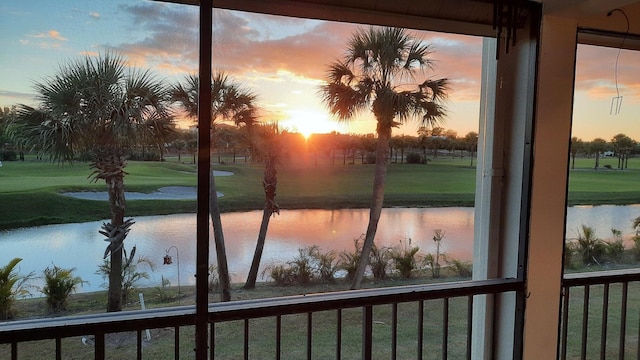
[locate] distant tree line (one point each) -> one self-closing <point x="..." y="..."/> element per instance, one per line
<point x="620" y="146"/>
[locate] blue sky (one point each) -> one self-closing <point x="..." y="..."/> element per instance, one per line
<point x="281" y="59"/>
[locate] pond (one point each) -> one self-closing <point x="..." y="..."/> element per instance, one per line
<point x="80" y="245"/>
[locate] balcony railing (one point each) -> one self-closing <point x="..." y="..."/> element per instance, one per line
<point x="419" y="321"/>
<point x="600" y="315"/>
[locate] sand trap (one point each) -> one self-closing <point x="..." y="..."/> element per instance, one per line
<point x="164" y="193"/>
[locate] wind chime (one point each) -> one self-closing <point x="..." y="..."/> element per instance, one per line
<point x="507" y="17"/>
<point x="616" y="101"/>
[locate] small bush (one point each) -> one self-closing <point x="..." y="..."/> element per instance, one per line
<point x="415" y="158"/>
<point x="379" y="262"/>
<point x="131" y="276"/>
<point x="404" y="258"/>
<point x="164" y="293"/>
<point x="8" y="155"/>
<point x="461" y="268"/>
<point x="282" y="274"/>
<point x="59" y="284"/>
<point x="326" y="265"/>
<point x="614" y="250"/>
<point x="349" y="260"/>
<point x="300" y="271"/>
<point x="592" y="250"/>
<point x="635" y="250"/>
<point x="12" y="286"/>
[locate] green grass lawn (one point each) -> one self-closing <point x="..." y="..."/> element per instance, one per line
<point x="30" y="191"/>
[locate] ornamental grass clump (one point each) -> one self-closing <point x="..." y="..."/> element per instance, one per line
<point x="12" y="286"/>
<point x="59" y="284"/>
<point x="404" y="258"/>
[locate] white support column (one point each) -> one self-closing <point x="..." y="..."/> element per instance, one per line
<point x="552" y="132"/>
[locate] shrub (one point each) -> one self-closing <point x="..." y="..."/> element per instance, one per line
<point x="636" y="248"/>
<point x="9" y="155"/>
<point x="404" y="258"/>
<point x="569" y="250"/>
<point x="301" y="270"/>
<point x="281" y="274"/>
<point x="131" y="276"/>
<point x="12" y="286"/>
<point x="614" y="250"/>
<point x="349" y="260"/>
<point x="461" y="268"/>
<point x="591" y="249"/>
<point x="164" y="293"/>
<point x="379" y="261"/>
<point x="325" y="264"/>
<point x="302" y="265"/>
<point x="59" y="284"/>
<point x="415" y="158"/>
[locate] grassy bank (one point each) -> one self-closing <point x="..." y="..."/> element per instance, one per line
<point x="30" y="191"/>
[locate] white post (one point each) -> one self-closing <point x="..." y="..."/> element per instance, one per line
<point x="143" y="307"/>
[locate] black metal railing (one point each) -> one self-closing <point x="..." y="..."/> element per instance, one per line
<point x="600" y="316"/>
<point x="425" y="321"/>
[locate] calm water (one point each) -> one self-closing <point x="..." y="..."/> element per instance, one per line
<point x="80" y="246"/>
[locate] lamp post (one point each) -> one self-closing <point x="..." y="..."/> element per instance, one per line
<point x="168" y="261"/>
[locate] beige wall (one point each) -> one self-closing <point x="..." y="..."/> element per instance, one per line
<point x="551" y="146"/>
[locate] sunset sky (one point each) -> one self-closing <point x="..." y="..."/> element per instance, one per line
<point x="282" y="60"/>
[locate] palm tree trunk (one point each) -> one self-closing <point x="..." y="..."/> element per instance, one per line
<point x="257" y="255"/>
<point x="382" y="151"/>
<point x="115" y="188"/>
<point x="221" y="253"/>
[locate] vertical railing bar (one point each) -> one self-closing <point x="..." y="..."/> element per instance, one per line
<point x="367" y="332"/>
<point x="339" y="335"/>
<point x="309" y="334"/>
<point x="565" y="323"/>
<point x="585" y="322"/>
<point x="139" y="344"/>
<point x="14" y="351"/>
<point x="99" y="346"/>
<point x="58" y="348"/>
<point x="246" y="339"/>
<point x="420" y="328"/>
<point x="394" y="331"/>
<point x="605" y="316"/>
<point x="278" y="337"/>
<point x="445" y="327"/>
<point x="212" y="340"/>
<point x="176" y="342"/>
<point x="469" y="325"/>
<point x="623" y="319"/>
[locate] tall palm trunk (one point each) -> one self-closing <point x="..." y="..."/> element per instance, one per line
<point x="221" y="253"/>
<point x="257" y="255"/>
<point x="270" y="184"/>
<point x="382" y="151"/>
<point x="110" y="167"/>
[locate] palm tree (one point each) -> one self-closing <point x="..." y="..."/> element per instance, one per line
<point x="96" y="105"/>
<point x="471" y="141"/>
<point x="577" y="146"/>
<point x="269" y="147"/>
<point x="597" y="146"/>
<point x="232" y="103"/>
<point x="374" y="75"/>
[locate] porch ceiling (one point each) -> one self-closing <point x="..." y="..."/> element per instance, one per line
<point x="456" y="16"/>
